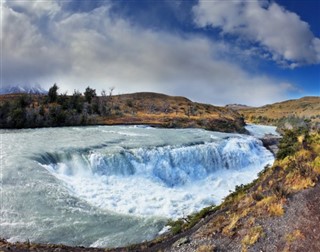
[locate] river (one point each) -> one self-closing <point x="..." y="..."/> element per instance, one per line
<point x="108" y="186"/>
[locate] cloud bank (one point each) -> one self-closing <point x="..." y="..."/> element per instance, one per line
<point x="283" y="34"/>
<point x="45" y="43"/>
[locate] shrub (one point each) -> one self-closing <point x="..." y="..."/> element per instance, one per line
<point x="257" y="196"/>
<point x="23" y="101"/>
<point x="252" y="236"/>
<point x="176" y="226"/>
<point x="75" y="102"/>
<point x="206" y="248"/>
<point x="53" y="93"/>
<point x="288" y="144"/>
<point x="196" y="217"/>
<point x="129" y="103"/>
<point x="18" y="117"/>
<point x="295" y="235"/>
<point x="276" y="209"/>
<point x="4" y="110"/>
<point x="89" y="94"/>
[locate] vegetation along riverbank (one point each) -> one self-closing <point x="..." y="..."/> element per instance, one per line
<point x="52" y="110"/>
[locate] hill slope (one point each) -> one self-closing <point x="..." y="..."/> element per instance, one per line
<point x="291" y="112"/>
<point x="21" y="111"/>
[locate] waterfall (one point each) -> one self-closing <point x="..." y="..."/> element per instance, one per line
<point x="117" y="185"/>
<point x="103" y="178"/>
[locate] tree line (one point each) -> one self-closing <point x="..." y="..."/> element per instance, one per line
<point x="54" y="109"/>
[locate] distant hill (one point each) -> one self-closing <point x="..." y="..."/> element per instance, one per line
<point x="237" y="106"/>
<point x="21" y="111"/>
<point x="285" y="114"/>
<point x="23" y="90"/>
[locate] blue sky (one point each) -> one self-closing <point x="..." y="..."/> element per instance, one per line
<point x="219" y="52"/>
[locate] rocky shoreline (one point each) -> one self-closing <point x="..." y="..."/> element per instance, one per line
<point x="271" y="142"/>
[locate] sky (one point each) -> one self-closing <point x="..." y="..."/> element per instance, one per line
<point x="212" y="51"/>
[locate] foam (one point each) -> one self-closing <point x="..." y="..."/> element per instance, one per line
<point x="261" y="130"/>
<point x="167" y="181"/>
<point x="100" y="188"/>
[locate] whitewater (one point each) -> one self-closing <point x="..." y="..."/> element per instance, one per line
<point x="108" y="186"/>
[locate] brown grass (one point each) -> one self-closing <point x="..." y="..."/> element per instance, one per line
<point x="228" y="230"/>
<point x="306" y="107"/>
<point x="295" y="235"/>
<point x="276" y="209"/>
<point x="251" y="237"/>
<point x="206" y="248"/>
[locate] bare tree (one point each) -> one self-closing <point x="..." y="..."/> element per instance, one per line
<point x="111" y="89"/>
<point x="103" y="93"/>
<point x="103" y="102"/>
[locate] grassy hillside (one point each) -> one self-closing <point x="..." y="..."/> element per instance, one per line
<point x="286" y="114"/>
<point x="21" y="111"/>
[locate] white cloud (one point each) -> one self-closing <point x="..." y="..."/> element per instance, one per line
<point x="279" y="31"/>
<point x="34" y="9"/>
<point x="26" y="50"/>
<point x="91" y="48"/>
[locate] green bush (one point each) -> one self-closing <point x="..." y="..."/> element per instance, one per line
<point x="18" y="118"/>
<point x="53" y="93"/>
<point x="288" y="144"/>
<point x="176" y="226"/>
<point x="23" y="101"/>
<point x="89" y="94"/>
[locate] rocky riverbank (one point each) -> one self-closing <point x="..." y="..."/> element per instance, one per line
<point x="271" y="142"/>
